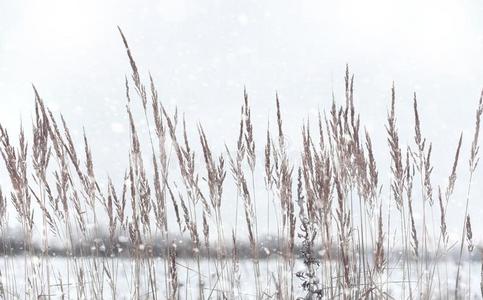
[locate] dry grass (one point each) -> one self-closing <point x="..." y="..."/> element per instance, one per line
<point x="328" y="207"/>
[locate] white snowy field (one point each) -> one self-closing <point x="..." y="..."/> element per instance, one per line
<point x="204" y="57"/>
<point x="63" y="284"/>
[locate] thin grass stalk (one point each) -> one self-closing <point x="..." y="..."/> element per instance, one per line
<point x="473" y="163"/>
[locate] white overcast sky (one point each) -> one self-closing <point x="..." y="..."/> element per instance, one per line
<point x="202" y="53"/>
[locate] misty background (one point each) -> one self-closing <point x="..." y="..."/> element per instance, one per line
<point x="202" y="54"/>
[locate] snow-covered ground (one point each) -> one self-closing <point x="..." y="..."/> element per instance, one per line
<point x="13" y="271"/>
